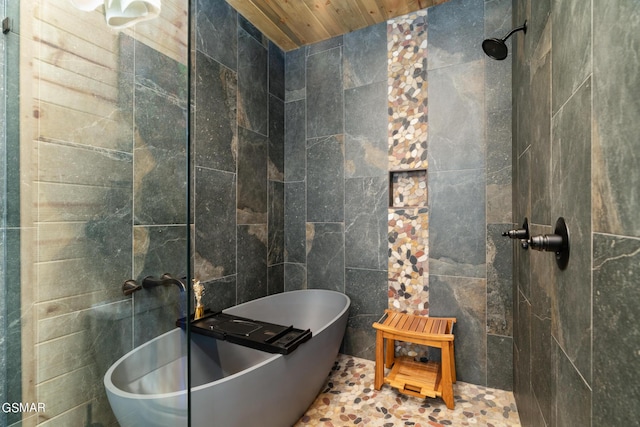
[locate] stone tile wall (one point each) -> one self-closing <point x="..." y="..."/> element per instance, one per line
<point x="337" y="163"/>
<point x="575" y="156"/>
<point x="238" y="154"/>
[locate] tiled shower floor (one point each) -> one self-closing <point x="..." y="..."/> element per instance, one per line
<point x="348" y="399"/>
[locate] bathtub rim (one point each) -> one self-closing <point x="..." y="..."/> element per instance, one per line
<point x="112" y="388"/>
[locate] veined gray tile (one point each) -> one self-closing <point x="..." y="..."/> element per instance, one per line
<point x="573" y="396"/>
<point x="216" y="139"/>
<point x="616" y="333"/>
<point x="275" y="279"/>
<point x="324" y="94"/>
<point x="366" y="130"/>
<point x="325" y="179"/>
<point x="215" y="224"/>
<point x="615" y="123"/>
<point x="295" y="141"/>
<point x="366" y="202"/>
<point x="252" y="177"/>
<point x="216" y="35"/>
<point x="295" y="74"/>
<point x="500" y="362"/>
<point x="457" y="227"/>
<point x="365" y="56"/>
<point x="276" y="139"/>
<point x="571" y="53"/>
<point x="325" y="256"/>
<point x="276" y="71"/>
<point x="276" y="223"/>
<point x="253" y="96"/>
<point x="252" y="260"/>
<point x="457" y="117"/>
<point x="499" y="281"/>
<point x="455" y="31"/>
<point x="367" y="290"/>
<point x="295" y="276"/>
<point x="295" y="213"/>
<point x="220" y="294"/>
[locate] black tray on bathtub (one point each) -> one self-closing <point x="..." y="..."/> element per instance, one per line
<point x="256" y="334"/>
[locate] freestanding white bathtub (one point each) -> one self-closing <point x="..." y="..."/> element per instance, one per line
<point x="232" y="385"/>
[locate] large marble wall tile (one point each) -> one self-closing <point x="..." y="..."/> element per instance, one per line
<point x="522" y="356"/>
<point x="365" y="56"/>
<point x="457" y="227"/>
<point x="500" y="362"/>
<point x="276" y="139"/>
<point x="216" y="22"/>
<point x="252" y="177"/>
<point x="542" y="368"/>
<point x="216" y="139"/>
<point x="541" y="141"/>
<point x="366" y="130"/>
<point x="325" y="115"/>
<point x="537" y="23"/>
<point x="456" y="117"/>
<point x="295" y="276"/>
<point x="366" y="202"/>
<point x="499" y="167"/>
<point x="325" y="179"/>
<point x="159" y="72"/>
<point x="325" y="256"/>
<point x="295" y="141"/>
<point x="497" y="84"/>
<point x="276" y="222"/>
<point x="160" y="158"/>
<point x="616" y="83"/>
<point x="275" y="279"/>
<point x="498" y="19"/>
<point x="253" y="97"/>
<point x="616" y="334"/>
<point x="295" y="75"/>
<point x="571" y="54"/>
<point x="571" y="154"/>
<point x="325" y="45"/>
<point x="220" y="294"/>
<point x="251" y="29"/>
<point x="158" y="250"/>
<point x="295" y="211"/>
<point x="276" y="71"/>
<point x="499" y="281"/>
<point x="572" y="394"/>
<point x="252" y="260"/>
<point x="367" y="291"/>
<point x="455" y="32"/>
<point x="215" y="224"/>
<point x="465" y="299"/>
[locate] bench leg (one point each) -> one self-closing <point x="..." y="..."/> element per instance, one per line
<point x="379" y="374"/>
<point x="447" y="386"/>
<point x="453" y="363"/>
<point x="390" y="353"/>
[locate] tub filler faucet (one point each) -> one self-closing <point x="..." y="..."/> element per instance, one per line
<point x="130" y="286"/>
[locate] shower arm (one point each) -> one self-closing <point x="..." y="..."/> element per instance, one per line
<point x="523" y="27"/>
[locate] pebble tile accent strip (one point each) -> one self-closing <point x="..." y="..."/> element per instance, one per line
<point x="407" y="81"/>
<point x="409" y="260"/>
<point x="348" y="399"/>
<point x="408" y="226"/>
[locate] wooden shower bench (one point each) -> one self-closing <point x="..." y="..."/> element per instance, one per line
<point x="420" y="379"/>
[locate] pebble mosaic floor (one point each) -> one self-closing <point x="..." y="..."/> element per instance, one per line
<point x="348" y="399"/>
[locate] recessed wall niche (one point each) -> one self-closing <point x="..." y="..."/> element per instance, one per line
<point x="408" y="189"/>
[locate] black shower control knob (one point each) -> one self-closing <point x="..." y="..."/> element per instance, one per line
<point x="546" y="242"/>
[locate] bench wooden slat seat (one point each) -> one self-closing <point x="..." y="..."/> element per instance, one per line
<point x="418" y="379"/>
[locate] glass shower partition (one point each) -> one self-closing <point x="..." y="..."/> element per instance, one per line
<point x="95" y="174"/>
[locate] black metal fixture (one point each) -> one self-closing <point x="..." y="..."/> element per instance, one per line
<point x="521" y="233"/>
<point x="497" y="48"/>
<point x="557" y="242"/>
<point x="130" y="286"/>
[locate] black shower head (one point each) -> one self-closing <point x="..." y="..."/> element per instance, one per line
<point x="497" y="48"/>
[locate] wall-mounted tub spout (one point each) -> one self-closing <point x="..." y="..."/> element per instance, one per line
<point x="165" y="280"/>
<point x="130" y="286"/>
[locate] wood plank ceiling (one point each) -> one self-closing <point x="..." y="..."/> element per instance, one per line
<point x="294" y="23"/>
